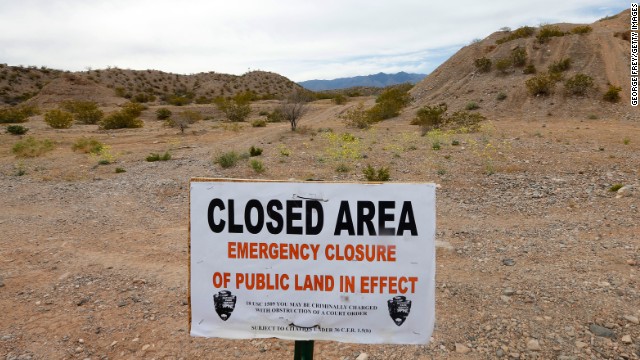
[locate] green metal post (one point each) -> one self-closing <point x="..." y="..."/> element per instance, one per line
<point x="303" y="350"/>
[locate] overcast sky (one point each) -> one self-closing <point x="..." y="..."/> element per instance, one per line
<point x="300" y="39"/>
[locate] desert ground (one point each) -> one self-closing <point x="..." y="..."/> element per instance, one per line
<point x="537" y="257"/>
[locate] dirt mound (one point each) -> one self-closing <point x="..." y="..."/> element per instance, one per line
<point x="602" y="54"/>
<point x="74" y="87"/>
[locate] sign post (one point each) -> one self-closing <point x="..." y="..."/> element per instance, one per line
<point x="312" y="261"/>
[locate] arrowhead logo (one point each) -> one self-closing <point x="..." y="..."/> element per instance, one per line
<point x="224" y="303"/>
<point x="399" y="308"/>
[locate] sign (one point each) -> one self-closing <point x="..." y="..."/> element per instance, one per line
<point x="312" y="261"/>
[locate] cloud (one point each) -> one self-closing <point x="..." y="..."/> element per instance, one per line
<point x="298" y="39"/>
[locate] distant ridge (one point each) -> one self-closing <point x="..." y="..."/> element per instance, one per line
<point x="375" y="80"/>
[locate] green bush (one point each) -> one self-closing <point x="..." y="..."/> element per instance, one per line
<point x="616" y="187"/>
<point x="472" y="106"/>
<point x="259" y="123"/>
<point x="518" y="56"/>
<point x="58" y="119"/>
<point x="529" y="69"/>
<point x="464" y="119"/>
<point x="84" y="112"/>
<point x="501" y="96"/>
<point x="235" y="110"/>
<point x="30" y="147"/>
<point x="519" y="33"/>
<point x="159" y="157"/>
<point x="560" y="65"/>
<point x="357" y="117"/>
<point x="613" y="94"/>
<point x="371" y="174"/>
<point x="255" y="151"/>
<point x="503" y="65"/>
<point x="17" y="114"/>
<point x="390" y="102"/>
<point x="88" y="145"/>
<point x="541" y="84"/>
<point x="120" y="170"/>
<point x="163" y="113"/>
<point x="546" y="32"/>
<point x="257" y="166"/>
<point x="429" y="117"/>
<point x="228" y="159"/>
<point x="340" y="99"/>
<point x="581" y="30"/>
<point x="120" y="120"/>
<point x="17" y="129"/>
<point x="133" y="109"/>
<point x="275" y="116"/>
<point x="143" y="98"/>
<point x="483" y="64"/>
<point x="578" y="84"/>
<point x="179" y="99"/>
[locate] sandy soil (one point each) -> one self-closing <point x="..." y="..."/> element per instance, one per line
<point x="534" y="249"/>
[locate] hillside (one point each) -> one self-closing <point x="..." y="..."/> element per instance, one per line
<point x="376" y="80"/>
<point x="602" y="54"/>
<point x="113" y="86"/>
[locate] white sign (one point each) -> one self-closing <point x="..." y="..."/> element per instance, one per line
<point x="313" y="261"/>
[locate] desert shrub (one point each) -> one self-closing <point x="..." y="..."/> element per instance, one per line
<point x="255" y="151"/>
<point x="58" y="119"/>
<point x="581" y="30"/>
<point x="483" y="64"/>
<point x="371" y="174"/>
<point x="17" y="114"/>
<point x="120" y="170"/>
<point x="184" y="119"/>
<point x="163" y="113"/>
<point x="519" y="33"/>
<point x="203" y="100"/>
<point x="546" y="32"/>
<point x="257" y="166"/>
<point x="501" y="96"/>
<point x="541" y="84"/>
<point x="472" y="106"/>
<point x="143" y="98"/>
<point x="88" y="145"/>
<point x="133" y="109"/>
<point x="159" y="157"/>
<point x="429" y="117"/>
<point x="560" y="66"/>
<point x="227" y="159"/>
<point x="464" y="119"/>
<point x="503" y="65"/>
<point x="236" y="110"/>
<point x="84" y="112"/>
<point x="529" y="69"/>
<point x="259" y="123"/>
<point x="578" y="84"/>
<point x="357" y="117"/>
<point x="612" y="94"/>
<point x="616" y="187"/>
<point x="342" y="168"/>
<point x="624" y="35"/>
<point x="30" y="147"/>
<point x="339" y="99"/>
<point x="179" y="99"/>
<point x="518" y="56"/>
<point x="390" y="102"/>
<point x="275" y="116"/>
<point x="17" y="129"/>
<point x="120" y="120"/>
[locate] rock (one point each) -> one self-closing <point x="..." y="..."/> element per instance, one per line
<point x="623" y="192"/>
<point x="508" y="292"/>
<point x="146" y="347"/>
<point x="533" y="345"/>
<point x="626" y="339"/>
<point x="632" y="319"/>
<point x="505" y="299"/>
<point x="1" y="282"/>
<point x="602" y="331"/>
<point x="508" y="262"/>
<point x="499" y="353"/>
<point x="462" y="349"/>
<point x="362" y="356"/>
